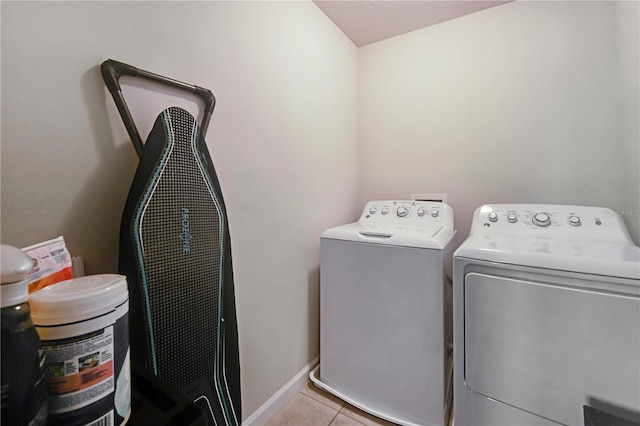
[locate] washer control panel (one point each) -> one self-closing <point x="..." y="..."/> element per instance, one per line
<point x="407" y="212"/>
<point x="550" y="220"/>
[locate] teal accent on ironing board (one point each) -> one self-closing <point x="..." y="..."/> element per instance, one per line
<point x="138" y="225"/>
<point x="222" y="227"/>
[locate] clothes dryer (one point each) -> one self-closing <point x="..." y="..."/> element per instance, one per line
<point x="385" y="311"/>
<point x="546" y="316"/>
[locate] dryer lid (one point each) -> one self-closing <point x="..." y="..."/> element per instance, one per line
<point x="590" y="240"/>
<point x="607" y="259"/>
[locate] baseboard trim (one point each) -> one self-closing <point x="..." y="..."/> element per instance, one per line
<point x="269" y="409"/>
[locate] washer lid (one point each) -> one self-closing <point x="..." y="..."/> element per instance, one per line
<point x="589" y="240"/>
<point x="428" y="236"/>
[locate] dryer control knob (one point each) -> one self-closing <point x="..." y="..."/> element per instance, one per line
<point x="420" y="212"/>
<point x="542" y="219"/>
<point x="373" y="210"/>
<point x="574" y="220"/>
<point x="435" y="212"/>
<point x="402" y="211"/>
<point x="512" y="218"/>
<point x="384" y="210"/>
<point x="493" y="217"/>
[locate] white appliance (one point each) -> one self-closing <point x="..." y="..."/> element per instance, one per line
<point x="385" y="311"/>
<point x="546" y="316"/>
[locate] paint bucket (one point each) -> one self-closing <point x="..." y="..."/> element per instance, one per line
<point x="84" y="327"/>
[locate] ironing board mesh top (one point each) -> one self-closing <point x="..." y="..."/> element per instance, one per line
<point x="181" y="234"/>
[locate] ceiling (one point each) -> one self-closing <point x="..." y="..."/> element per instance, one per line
<point x="365" y="21"/>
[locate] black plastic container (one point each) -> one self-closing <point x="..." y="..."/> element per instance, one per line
<point x="155" y="402"/>
<point x="23" y="373"/>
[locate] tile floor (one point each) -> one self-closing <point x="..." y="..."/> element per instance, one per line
<point x="315" y="407"/>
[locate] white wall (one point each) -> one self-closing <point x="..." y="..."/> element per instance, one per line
<point x="516" y="103"/>
<point x="283" y="139"/>
<point x="628" y="31"/>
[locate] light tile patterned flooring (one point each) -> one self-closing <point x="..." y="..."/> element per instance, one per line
<point x="315" y="407"/>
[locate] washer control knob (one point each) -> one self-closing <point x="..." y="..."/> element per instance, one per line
<point x="574" y="221"/>
<point x="512" y="218"/>
<point x="402" y="211"/>
<point x="493" y="217"/>
<point x="384" y="210"/>
<point x="435" y="212"/>
<point x="420" y="212"/>
<point x="542" y="219"/>
<point x="373" y="210"/>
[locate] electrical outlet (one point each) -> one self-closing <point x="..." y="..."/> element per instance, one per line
<point x="440" y="198"/>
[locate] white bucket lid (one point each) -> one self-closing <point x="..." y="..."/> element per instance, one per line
<point x="15" y="266"/>
<point x="14" y="294"/>
<point x="78" y="299"/>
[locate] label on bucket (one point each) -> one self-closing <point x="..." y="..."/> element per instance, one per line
<point x="89" y="375"/>
<point x="80" y="370"/>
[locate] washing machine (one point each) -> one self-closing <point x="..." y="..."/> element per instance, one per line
<point x="546" y="317"/>
<point x="385" y="311"/>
